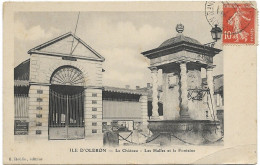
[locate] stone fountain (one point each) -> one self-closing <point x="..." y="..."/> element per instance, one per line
<point x="188" y="105"/>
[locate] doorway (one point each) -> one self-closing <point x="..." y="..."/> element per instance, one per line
<point x="66" y="112"/>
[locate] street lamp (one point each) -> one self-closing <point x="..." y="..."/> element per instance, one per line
<point x="216" y="33"/>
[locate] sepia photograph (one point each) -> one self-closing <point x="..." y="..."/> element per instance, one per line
<point x="159" y="82"/>
<point x="92" y="80"/>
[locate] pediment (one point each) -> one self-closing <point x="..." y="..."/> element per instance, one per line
<point x="67" y="45"/>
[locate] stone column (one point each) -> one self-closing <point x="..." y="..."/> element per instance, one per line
<point x="210" y="83"/>
<point x="155" y="114"/>
<point x="184" y="114"/>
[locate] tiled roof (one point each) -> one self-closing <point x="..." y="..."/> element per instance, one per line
<point x="21" y="72"/>
<point x="149" y="91"/>
<point x="124" y="90"/>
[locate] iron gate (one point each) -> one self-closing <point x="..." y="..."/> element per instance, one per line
<point x="66" y="116"/>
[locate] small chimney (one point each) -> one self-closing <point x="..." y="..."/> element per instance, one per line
<point x="127" y="86"/>
<point x="148" y="85"/>
<point x="137" y="87"/>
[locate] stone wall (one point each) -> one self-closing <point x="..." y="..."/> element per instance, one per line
<point x="42" y="67"/>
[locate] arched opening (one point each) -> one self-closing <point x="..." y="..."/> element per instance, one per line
<point x="67" y="75"/>
<point x="66" y="104"/>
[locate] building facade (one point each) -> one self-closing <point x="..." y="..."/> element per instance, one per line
<point x="58" y="91"/>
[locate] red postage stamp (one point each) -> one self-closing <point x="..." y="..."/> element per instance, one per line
<point x="238" y="24"/>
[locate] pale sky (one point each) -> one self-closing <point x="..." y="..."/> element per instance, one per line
<point x="120" y="37"/>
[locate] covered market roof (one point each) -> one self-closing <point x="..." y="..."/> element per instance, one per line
<point x="21" y="74"/>
<point x="124" y="90"/>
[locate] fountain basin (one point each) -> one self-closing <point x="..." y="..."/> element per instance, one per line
<point x="185" y="131"/>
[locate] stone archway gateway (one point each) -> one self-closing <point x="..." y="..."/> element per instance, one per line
<point x="65" y="92"/>
<point x="66" y="104"/>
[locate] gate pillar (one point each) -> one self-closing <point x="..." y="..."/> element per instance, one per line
<point x="38" y="111"/>
<point x="143" y="100"/>
<point x="93" y="111"/>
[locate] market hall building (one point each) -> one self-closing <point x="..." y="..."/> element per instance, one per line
<point x="59" y="94"/>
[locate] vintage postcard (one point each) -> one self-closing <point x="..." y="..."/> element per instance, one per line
<point x="130" y="82"/>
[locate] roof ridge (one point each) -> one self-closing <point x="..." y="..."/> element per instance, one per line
<point x="45" y="44"/>
<point x="124" y="90"/>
